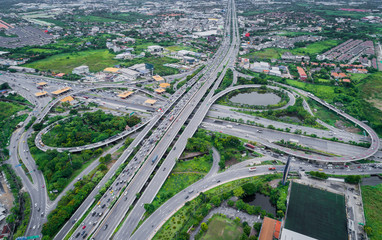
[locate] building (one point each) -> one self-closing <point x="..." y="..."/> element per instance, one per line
<point x="68" y="99"/>
<point x="81" y="70"/>
<point x="270" y="229"/>
<point x="150" y="101"/>
<point x="302" y="73"/>
<point x="314" y="214"/>
<point x="129" y="73"/>
<point x="125" y="94"/>
<point x="41" y="94"/>
<point x="158" y="79"/>
<point x="155" y="49"/>
<point x="111" y="70"/>
<point x="260" y="66"/>
<point x="164" y="85"/>
<point x="160" y="90"/>
<point x="61" y="91"/>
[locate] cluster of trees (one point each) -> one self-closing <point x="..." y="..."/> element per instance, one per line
<point x="354" y="179"/>
<point x="58" y="167"/>
<point x="321" y="175"/>
<point x="295" y="110"/>
<point x="70" y="202"/>
<point x="226" y="82"/>
<point x="91" y="127"/>
<point x="19" y="216"/>
<point x="229" y="147"/>
<point x="198" y="209"/>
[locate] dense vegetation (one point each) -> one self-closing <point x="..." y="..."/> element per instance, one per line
<point x="19" y="216"/>
<point x="8" y="122"/>
<point x="194" y="211"/>
<point x="183" y="175"/>
<point x="91" y="127"/>
<point x="356" y="99"/>
<point x="59" y="168"/>
<point x="372" y="202"/>
<point x="226" y="82"/>
<point x="229" y="147"/>
<point x="287" y="114"/>
<point x="71" y="201"/>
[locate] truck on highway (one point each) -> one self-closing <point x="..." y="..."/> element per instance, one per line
<point x="229" y="126"/>
<point x="249" y="146"/>
<point x="272" y="169"/>
<point x="171" y="118"/>
<point x="252" y="169"/>
<point x="154" y="159"/>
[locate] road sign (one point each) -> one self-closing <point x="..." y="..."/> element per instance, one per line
<point x="132" y="113"/>
<point x="33" y="237"/>
<point x="18" y="165"/>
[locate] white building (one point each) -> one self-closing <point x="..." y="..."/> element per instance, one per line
<point x="81" y="70"/>
<point x="260" y="66"/>
<point x="155" y="49"/>
<point x="129" y="73"/>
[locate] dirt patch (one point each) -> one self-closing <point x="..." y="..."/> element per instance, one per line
<point x="231" y="162"/>
<point x="191" y="155"/>
<point x="344" y="126"/>
<point x="274" y="183"/>
<point x="376" y="103"/>
<point x="6" y="196"/>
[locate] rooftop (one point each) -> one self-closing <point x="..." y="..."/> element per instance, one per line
<point x="315" y="213"/>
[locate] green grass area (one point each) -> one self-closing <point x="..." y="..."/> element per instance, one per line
<point x="268" y="53"/>
<point x="293" y="34"/>
<point x="9" y="120"/>
<point x="339" y="13"/>
<point x="54" y="21"/>
<point x="323" y="91"/>
<point x="310" y="49"/>
<point x="180" y="47"/>
<point x="183" y="175"/>
<point x="315" y="48"/>
<point x="372" y="201"/>
<point x="222" y="228"/>
<point x="327" y="115"/>
<point x="97" y="60"/>
<point x="357" y="77"/>
<point x="91" y="18"/>
<point x="194" y="211"/>
<point x="158" y="64"/>
<point x="42" y="50"/>
<point x="371" y="89"/>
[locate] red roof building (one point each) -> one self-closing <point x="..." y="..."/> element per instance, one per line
<point x="302" y="73"/>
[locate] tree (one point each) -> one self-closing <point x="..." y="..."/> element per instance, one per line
<point x="368" y="230"/>
<point x="257" y="226"/>
<point x="204" y="227"/>
<point x="238" y="192"/>
<point x="149" y="207"/>
<point x="240" y="204"/>
<point x="230" y="203"/>
<point x="215" y="200"/>
<point x="249" y="188"/>
<point x="354" y="179"/>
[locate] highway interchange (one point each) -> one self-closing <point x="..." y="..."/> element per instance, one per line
<point x="187" y="107"/>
